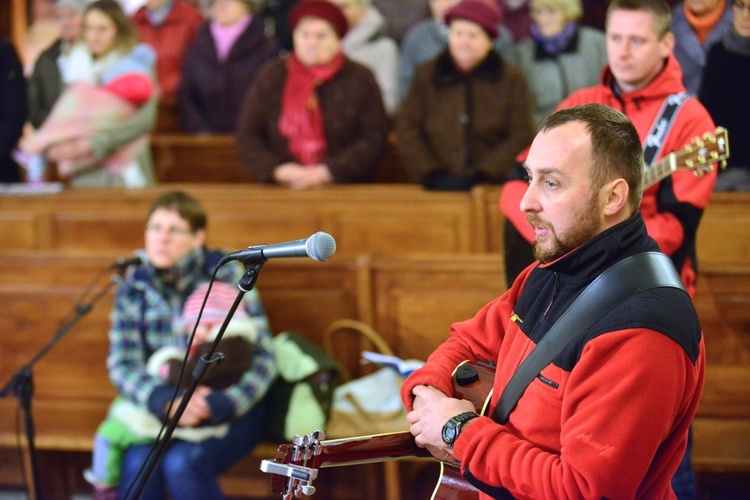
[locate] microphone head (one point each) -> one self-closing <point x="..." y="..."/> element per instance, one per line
<point x="320" y="246"/>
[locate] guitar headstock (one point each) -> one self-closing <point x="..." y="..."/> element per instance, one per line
<point x="703" y="152"/>
<point x="292" y="477"/>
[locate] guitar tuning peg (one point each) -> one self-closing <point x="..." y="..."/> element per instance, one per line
<point x="689" y="163"/>
<point x="702" y="159"/>
<point x="709" y="137"/>
<point x="308" y="489"/>
<point x="723" y="164"/>
<point x="714" y="155"/>
<point x="698" y="142"/>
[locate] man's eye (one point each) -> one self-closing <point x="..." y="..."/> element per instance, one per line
<point x="528" y="178"/>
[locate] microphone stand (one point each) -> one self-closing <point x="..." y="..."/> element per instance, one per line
<point x="21" y="383"/>
<point x="205" y="363"/>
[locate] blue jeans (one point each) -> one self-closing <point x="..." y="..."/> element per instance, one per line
<point x="683" y="481"/>
<point x="189" y="470"/>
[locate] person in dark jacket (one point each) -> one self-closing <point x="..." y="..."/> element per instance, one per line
<point x="315" y="118"/>
<point x="726" y="74"/>
<point x="13" y="109"/>
<point x="46" y="83"/>
<point x="220" y="66"/>
<point x="468" y="113"/>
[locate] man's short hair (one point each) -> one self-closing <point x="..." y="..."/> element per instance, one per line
<point x="189" y="208"/>
<point x="616" y="150"/>
<point x="659" y="9"/>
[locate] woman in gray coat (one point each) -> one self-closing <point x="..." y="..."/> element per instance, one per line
<point x="560" y="56"/>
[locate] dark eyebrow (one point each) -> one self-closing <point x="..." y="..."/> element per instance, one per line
<point x="543" y="170"/>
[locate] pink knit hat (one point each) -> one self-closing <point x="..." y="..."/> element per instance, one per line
<point x="482" y="12"/>
<point x="219" y="302"/>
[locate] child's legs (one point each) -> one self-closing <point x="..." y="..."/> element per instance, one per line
<point x="111" y="440"/>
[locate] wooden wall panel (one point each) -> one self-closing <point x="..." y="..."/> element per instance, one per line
<point x="418" y="298"/>
<point x="18" y="230"/>
<point x="393" y="219"/>
<point x="724" y="232"/>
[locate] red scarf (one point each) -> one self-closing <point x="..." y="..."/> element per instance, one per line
<point x="301" y="120"/>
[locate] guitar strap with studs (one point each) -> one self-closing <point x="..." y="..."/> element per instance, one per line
<point x="661" y="126"/>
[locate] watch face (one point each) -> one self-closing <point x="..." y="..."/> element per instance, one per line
<point x="449" y="434"/>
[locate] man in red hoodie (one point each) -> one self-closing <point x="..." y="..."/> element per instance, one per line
<point x="641" y="75"/>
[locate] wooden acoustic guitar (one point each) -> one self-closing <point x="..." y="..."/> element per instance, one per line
<point x="296" y="465"/>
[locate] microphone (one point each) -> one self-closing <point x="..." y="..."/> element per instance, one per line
<point x="121" y="264"/>
<point x="320" y="246"/>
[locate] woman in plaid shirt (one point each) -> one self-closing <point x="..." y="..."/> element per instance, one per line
<point x="146" y="317"/>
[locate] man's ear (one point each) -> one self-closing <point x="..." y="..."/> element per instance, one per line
<point x="667" y="44"/>
<point x="616" y="193"/>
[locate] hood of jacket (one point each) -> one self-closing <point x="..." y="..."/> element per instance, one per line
<point x="371" y="27"/>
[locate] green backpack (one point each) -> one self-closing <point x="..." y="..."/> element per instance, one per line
<point x="301" y="397"/>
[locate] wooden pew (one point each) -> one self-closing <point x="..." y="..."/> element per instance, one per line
<point x="214" y="158"/>
<point x="197" y="158"/>
<point x="388" y="219"/>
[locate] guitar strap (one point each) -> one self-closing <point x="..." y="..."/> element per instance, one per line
<point x="661" y="126"/>
<point x="623" y="280"/>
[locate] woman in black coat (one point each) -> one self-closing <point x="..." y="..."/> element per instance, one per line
<point x="13" y="109"/>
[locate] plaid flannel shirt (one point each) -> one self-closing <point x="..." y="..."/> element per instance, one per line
<point x="147" y="307"/>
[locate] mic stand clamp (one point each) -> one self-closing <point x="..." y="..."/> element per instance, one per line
<point x="206" y="362"/>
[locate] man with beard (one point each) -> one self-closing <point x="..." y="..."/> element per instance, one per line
<point x="599" y="421"/>
<point x="641" y="77"/>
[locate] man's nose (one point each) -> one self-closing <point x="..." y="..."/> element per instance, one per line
<point x="530" y="201"/>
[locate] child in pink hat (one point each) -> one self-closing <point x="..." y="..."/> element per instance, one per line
<point x="128" y="424"/>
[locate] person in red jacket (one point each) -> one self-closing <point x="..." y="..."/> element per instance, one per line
<point x="169" y="26"/>
<point x="642" y="73"/>
<point x="609" y="416"/>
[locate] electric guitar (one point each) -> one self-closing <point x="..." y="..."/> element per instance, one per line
<point x="699" y="156"/>
<point x="296" y="465"/>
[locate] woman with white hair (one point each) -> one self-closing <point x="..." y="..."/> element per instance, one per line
<point x="560" y="56"/>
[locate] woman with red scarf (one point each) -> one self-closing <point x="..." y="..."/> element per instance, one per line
<point x="315" y="118"/>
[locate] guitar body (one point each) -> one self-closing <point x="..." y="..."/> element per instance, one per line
<point x="296" y="465"/>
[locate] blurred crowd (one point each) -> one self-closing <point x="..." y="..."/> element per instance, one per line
<point x="316" y="91"/>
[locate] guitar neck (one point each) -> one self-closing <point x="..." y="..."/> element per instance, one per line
<point x="368" y="449"/>
<point x="659" y="170"/>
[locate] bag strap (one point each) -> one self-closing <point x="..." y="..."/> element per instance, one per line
<point x="623" y="280"/>
<point x="352" y="325"/>
<point x="661" y="126"/>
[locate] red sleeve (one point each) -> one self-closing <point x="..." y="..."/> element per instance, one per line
<point x="669" y="218"/>
<point x="623" y="421"/>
